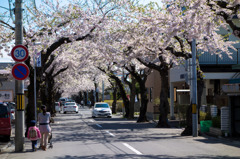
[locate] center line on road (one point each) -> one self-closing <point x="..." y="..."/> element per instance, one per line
<point x="133" y="149"/>
<point x="99" y="125"/>
<point x="110" y="133"/>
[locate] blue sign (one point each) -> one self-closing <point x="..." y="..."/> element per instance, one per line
<point x="39" y="63"/>
<point x="20" y="71"/>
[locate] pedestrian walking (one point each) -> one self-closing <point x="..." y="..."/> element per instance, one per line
<point x="44" y="119"/>
<point x="33" y="134"/>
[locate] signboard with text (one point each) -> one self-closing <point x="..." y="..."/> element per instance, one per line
<point x="6" y="95"/>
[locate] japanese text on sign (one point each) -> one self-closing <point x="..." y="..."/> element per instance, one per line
<point x="6" y="95"/>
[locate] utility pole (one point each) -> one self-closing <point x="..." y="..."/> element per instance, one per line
<point x="19" y="84"/>
<point x="194" y="92"/>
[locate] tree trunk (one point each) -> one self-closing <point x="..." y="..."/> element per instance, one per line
<point x="144" y="102"/>
<point x="85" y="98"/>
<point x="164" y="105"/>
<point x="124" y="98"/>
<point x="114" y="104"/>
<point x="123" y="94"/>
<point x="132" y="98"/>
<point x="30" y="111"/>
<point x="50" y="97"/>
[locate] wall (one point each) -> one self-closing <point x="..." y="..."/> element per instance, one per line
<point x="154" y="82"/>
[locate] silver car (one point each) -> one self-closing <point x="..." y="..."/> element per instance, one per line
<point x="101" y="110"/>
<point x="70" y="107"/>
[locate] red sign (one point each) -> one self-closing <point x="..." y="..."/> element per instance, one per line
<point x="19" y="53"/>
<point x="20" y="71"/>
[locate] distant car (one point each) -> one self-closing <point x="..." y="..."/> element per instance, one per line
<point x="13" y="115"/>
<point x="58" y="107"/>
<point x="101" y="110"/>
<point x="5" y="121"/>
<point x="11" y="107"/>
<point x="70" y="107"/>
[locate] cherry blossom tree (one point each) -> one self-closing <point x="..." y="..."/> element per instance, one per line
<point x="162" y="37"/>
<point x="55" y="26"/>
<point x="229" y="11"/>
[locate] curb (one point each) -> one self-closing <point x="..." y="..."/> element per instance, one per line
<point x="4" y="147"/>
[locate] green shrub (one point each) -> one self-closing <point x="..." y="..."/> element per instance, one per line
<point x="216" y="122"/>
<point x="157" y="101"/>
<point x="202" y="116"/>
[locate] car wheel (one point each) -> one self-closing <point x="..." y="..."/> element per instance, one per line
<point x="76" y="112"/>
<point x="64" y="112"/>
<point x="109" y="116"/>
<point x="7" y="138"/>
<point x="93" y="117"/>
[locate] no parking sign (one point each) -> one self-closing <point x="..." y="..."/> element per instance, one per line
<point x="20" y="71"/>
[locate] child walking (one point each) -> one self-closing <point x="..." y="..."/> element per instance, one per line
<point x="33" y="134"/>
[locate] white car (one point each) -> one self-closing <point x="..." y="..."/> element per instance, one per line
<point x="70" y="107"/>
<point x="58" y="108"/>
<point x="101" y="110"/>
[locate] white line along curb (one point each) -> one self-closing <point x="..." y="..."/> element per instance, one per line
<point x="110" y="133"/>
<point x="133" y="149"/>
<point x="99" y="125"/>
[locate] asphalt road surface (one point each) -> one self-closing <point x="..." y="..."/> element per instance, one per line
<point x="80" y="136"/>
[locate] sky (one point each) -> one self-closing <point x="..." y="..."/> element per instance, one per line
<point x="4" y="4"/>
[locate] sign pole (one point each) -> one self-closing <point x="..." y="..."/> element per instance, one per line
<point x="194" y="92"/>
<point x="35" y="88"/>
<point x="19" y="84"/>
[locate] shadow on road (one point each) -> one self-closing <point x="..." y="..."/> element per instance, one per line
<point x="123" y="156"/>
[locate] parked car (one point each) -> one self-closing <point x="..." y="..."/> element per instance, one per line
<point x="70" y="107"/>
<point x="5" y="121"/>
<point x="101" y="110"/>
<point x="12" y="106"/>
<point x="58" y="107"/>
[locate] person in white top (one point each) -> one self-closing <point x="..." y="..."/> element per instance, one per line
<point x="44" y="119"/>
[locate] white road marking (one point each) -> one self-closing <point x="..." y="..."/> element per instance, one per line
<point x="99" y="125"/>
<point x="110" y="133"/>
<point x="133" y="149"/>
<point x="91" y="121"/>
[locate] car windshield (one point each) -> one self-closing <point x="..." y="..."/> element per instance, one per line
<point x="70" y="103"/>
<point x="102" y="105"/>
<point x="3" y="111"/>
<point x="56" y="104"/>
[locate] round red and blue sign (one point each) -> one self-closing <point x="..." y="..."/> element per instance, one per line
<point x="20" y="71"/>
<point x="19" y="53"/>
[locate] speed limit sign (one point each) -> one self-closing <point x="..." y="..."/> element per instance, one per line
<point x="19" y="53"/>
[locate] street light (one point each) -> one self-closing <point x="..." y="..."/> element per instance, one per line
<point x="35" y="94"/>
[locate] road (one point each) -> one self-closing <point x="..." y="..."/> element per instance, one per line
<point x="80" y="136"/>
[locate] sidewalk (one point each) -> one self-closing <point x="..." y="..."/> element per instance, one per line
<point x="5" y="144"/>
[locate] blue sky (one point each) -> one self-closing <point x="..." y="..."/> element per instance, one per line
<point x="4" y="3"/>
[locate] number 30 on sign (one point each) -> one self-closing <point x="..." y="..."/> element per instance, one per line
<point x="19" y="53"/>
